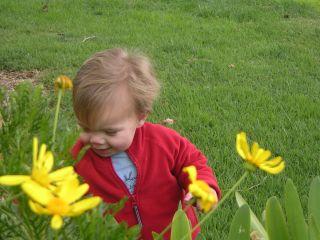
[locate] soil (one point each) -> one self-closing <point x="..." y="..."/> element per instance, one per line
<point x="10" y="79"/>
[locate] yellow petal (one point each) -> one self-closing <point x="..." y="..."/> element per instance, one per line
<point x="67" y="188"/>
<point x="42" y="152"/>
<point x="60" y="174"/>
<point x="52" y="188"/>
<point x="192" y="172"/>
<point x="35" y="151"/>
<point x="37" y="208"/>
<point x="261" y="156"/>
<point x="254" y="148"/>
<point x="56" y="222"/>
<point x="242" y="145"/>
<point x="12" y="180"/>
<point x="48" y="161"/>
<point x="83" y="205"/>
<point x="73" y="196"/>
<point x="206" y="205"/>
<point x="201" y="190"/>
<point x="274" y="162"/>
<point x="72" y="177"/>
<point x="197" y="192"/>
<point x="203" y="185"/>
<point x="36" y="192"/>
<point x="273" y="170"/>
<point x="207" y="202"/>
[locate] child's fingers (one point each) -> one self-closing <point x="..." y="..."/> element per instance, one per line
<point x="84" y="137"/>
<point x="188" y="197"/>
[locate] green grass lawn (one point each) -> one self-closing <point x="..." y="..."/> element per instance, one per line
<point x="224" y="66"/>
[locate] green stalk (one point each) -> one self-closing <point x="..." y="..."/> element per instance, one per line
<point x="56" y="234"/>
<point x="55" y="123"/>
<point x="220" y="202"/>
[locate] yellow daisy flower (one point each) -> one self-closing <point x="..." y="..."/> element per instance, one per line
<point x="42" y="165"/>
<point x="258" y="157"/>
<point x="200" y="189"/>
<point x="62" y="202"/>
<point x="63" y="82"/>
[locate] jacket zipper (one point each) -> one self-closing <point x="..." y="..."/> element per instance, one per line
<point x="132" y="196"/>
<point x="136" y="210"/>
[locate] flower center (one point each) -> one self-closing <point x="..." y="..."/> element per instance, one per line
<point x="40" y="177"/>
<point x="58" y="206"/>
<point x="250" y="158"/>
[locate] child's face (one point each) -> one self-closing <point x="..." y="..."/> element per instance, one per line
<point x="114" y="130"/>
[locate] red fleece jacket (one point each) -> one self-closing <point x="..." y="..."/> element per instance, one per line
<point x="159" y="154"/>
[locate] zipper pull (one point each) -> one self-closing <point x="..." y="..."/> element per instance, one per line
<point x="136" y="210"/>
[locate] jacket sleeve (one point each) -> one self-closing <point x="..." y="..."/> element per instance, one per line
<point x="187" y="154"/>
<point x="77" y="147"/>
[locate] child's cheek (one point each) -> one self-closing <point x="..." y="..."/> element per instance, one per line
<point x="123" y="143"/>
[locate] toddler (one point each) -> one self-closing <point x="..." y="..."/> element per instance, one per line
<point x="128" y="157"/>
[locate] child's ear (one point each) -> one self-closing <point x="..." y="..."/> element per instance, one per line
<point x="142" y="118"/>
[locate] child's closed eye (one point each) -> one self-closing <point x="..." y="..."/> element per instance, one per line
<point x="111" y="133"/>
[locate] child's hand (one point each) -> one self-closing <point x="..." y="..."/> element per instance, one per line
<point x="85" y="138"/>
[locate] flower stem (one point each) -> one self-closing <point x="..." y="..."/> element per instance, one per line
<point x="225" y="197"/>
<point x="56" y="235"/>
<point x="55" y="123"/>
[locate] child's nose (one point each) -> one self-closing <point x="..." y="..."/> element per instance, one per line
<point x="97" y="140"/>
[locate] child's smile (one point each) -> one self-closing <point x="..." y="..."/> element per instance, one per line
<point x="103" y="152"/>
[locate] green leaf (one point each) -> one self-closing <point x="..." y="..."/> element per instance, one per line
<point x="240" y="226"/>
<point x="275" y="220"/>
<point x="314" y="231"/>
<point x="111" y="220"/>
<point x="255" y="224"/>
<point x="156" y="235"/>
<point x="180" y="226"/>
<point x="296" y="223"/>
<point x="313" y="204"/>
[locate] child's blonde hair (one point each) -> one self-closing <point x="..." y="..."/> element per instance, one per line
<point x="105" y="72"/>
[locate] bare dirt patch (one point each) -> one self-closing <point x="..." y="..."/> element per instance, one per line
<point x="10" y="79"/>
